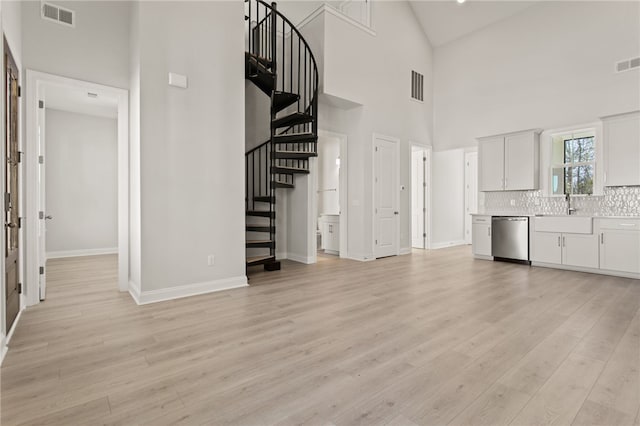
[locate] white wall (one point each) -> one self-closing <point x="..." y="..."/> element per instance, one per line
<point x="135" y="225"/>
<point x="81" y="177"/>
<point x="550" y="66"/>
<point x="373" y="71"/>
<point x="191" y="144"/>
<point x="96" y="50"/>
<point x="447" y="199"/>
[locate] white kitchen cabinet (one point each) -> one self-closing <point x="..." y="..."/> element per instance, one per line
<point x="331" y="234"/>
<point x="622" y="149"/>
<point x="546" y="247"/>
<point x="580" y="250"/>
<point x="620" y="245"/>
<point x="491" y="164"/>
<point x="481" y="235"/>
<point x="509" y="162"/>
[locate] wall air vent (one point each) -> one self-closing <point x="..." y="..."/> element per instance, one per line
<point x="628" y="64"/>
<point x="417" y="86"/>
<point x="58" y="14"/>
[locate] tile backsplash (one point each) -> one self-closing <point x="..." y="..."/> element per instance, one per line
<point x="619" y="201"/>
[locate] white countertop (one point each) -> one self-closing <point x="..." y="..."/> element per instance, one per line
<point x="550" y="215"/>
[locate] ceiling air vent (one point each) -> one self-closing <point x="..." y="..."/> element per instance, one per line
<point x="58" y="14"/>
<point x="417" y="86"/>
<point x="628" y="64"/>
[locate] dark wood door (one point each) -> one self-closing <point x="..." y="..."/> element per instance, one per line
<point x="11" y="201"/>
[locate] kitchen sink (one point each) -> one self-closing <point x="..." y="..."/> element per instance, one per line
<point x="563" y="223"/>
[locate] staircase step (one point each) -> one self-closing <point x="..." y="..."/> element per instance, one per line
<point x="294" y="155"/>
<point x="260" y="243"/>
<point x="289" y="170"/>
<point x="292" y="120"/>
<point x="279" y="184"/>
<point x="259" y="228"/>
<point x="265" y="199"/>
<point x="261" y="213"/>
<point x="254" y="59"/>
<point x="281" y="100"/>
<point x="260" y="260"/>
<point x="295" y="137"/>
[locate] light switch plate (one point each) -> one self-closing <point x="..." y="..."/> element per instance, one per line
<point x="177" y="80"/>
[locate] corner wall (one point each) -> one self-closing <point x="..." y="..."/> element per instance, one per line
<point x="191" y="147"/>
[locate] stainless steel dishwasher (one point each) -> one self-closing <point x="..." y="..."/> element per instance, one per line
<point x="510" y="237"/>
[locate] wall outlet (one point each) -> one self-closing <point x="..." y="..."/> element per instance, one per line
<point x="513" y="203"/>
<point x="210" y="260"/>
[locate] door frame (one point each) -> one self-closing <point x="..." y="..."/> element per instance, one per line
<point x="35" y="81"/>
<point x="428" y="149"/>
<point x="374" y="225"/>
<point x="344" y="192"/>
<point x="468" y="225"/>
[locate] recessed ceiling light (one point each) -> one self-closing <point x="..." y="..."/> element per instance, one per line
<point x="461" y="1"/>
<point x="92" y="95"/>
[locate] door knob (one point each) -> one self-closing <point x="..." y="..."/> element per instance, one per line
<point x="49" y="217"/>
<point x="396" y="213"/>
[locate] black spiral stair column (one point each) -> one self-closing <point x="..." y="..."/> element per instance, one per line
<point x="280" y="63"/>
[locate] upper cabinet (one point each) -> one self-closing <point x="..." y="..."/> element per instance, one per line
<point x="509" y="162"/>
<point x="622" y="149"/>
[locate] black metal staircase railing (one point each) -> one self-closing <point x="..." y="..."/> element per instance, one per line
<point x="280" y="63"/>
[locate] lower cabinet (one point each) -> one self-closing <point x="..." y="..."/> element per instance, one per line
<point x="620" y="245"/>
<point x="579" y="250"/>
<point x="331" y="235"/>
<point x="481" y="235"/>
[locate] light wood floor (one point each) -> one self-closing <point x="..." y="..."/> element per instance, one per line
<point x="431" y="338"/>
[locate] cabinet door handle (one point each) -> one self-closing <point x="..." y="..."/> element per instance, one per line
<point x="602" y="238"/>
<point x="564" y="242"/>
<point x="489" y="231"/>
<point x="558" y="241"/>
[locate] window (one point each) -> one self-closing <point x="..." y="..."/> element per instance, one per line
<point x="574" y="157"/>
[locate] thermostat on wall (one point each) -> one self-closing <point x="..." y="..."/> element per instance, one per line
<point x="177" y="80"/>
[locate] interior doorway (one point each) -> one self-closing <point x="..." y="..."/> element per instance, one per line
<point x="78" y="175"/>
<point x="470" y="192"/>
<point x="386" y="196"/>
<point x="12" y="187"/>
<point x="330" y="232"/>
<point x="420" y="200"/>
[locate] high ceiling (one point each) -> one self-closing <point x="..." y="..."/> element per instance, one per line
<point x="445" y="21"/>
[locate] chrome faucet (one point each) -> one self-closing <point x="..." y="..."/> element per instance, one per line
<point x="570" y="210"/>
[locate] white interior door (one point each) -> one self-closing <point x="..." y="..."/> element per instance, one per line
<point x="470" y="192"/>
<point x="418" y="205"/>
<point x="42" y="215"/>
<point x="386" y="196"/>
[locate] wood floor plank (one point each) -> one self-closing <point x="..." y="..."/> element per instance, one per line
<point x="423" y="339"/>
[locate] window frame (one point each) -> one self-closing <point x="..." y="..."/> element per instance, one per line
<point x="569" y="136"/>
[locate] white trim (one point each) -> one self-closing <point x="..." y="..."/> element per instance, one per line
<point x="361" y="257"/>
<point x="396" y="141"/>
<point x="587" y="270"/>
<point x="307" y="260"/>
<point x="134" y="291"/>
<point x="82" y="252"/>
<point x="177" y="292"/>
<point x="3" y="349"/>
<point x="482" y="257"/>
<point x="447" y="244"/>
<point x="405" y="250"/>
<point x="34" y="80"/>
<point x="428" y="179"/>
<point x="335" y="12"/>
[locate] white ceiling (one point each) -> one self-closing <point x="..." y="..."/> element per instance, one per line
<point x="77" y="100"/>
<point x="445" y="21"/>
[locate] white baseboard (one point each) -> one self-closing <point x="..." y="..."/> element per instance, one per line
<point x="134" y="291"/>
<point x="405" y="250"/>
<point x="3" y="349"/>
<point x="307" y="260"/>
<point x="177" y="292"/>
<point x="360" y="257"/>
<point x="79" y="253"/>
<point x="445" y="244"/>
<point x="281" y="256"/>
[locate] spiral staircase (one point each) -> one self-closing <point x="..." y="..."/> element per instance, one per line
<point x="280" y="63"/>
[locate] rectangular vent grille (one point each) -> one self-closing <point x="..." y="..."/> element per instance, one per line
<point x="417" y="86"/>
<point x="58" y="14"/>
<point x="627" y="65"/>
